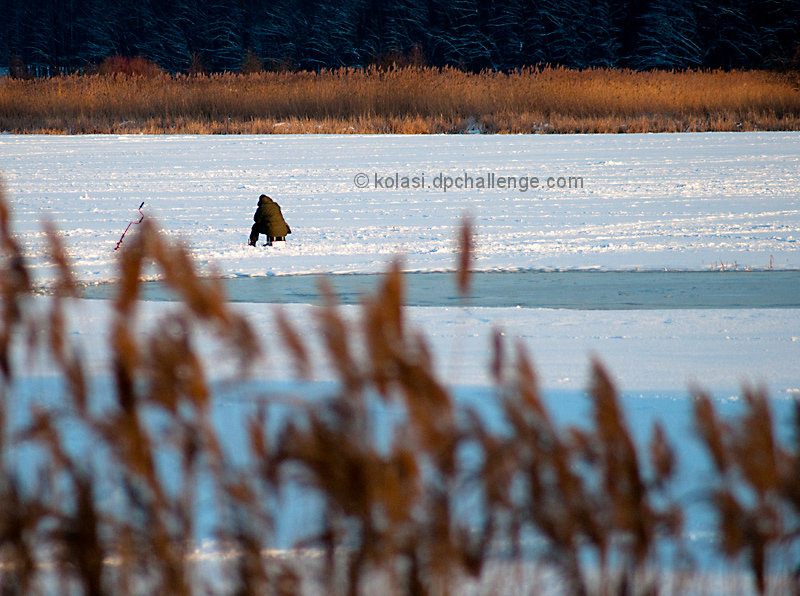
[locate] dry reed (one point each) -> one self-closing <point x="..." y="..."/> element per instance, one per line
<point x="599" y="507"/>
<point x="403" y="100"/>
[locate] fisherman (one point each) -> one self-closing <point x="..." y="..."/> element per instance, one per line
<point x="269" y="221"/>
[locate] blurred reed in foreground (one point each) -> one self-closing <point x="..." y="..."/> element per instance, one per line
<point x="105" y="492"/>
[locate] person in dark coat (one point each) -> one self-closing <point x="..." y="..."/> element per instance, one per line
<point x="269" y="221"/>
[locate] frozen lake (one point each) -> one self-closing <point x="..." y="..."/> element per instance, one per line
<point x="689" y="204"/>
<point x="583" y="290"/>
<point x="624" y="268"/>
<point x="648" y="202"/>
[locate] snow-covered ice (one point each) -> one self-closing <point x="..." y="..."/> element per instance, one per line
<point x="676" y="201"/>
<point x="654" y="201"/>
<point x="645" y="350"/>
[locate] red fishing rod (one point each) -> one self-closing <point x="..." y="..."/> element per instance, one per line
<point x="131" y="224"/>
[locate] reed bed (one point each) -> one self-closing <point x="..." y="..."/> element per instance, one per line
<point x="403" y="100"/>
<point x="406" y="511"/>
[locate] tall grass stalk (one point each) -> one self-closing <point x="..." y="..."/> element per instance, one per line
<point x="91" y="506"/>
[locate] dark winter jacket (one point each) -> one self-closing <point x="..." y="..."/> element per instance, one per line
<point x="270" y="219"/>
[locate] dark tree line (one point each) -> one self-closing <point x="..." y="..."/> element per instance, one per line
<point x="67" y="35"/>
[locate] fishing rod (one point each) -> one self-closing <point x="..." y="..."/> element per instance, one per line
<point x="131" y="224"/>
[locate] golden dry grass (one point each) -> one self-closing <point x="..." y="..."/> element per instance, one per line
<point x="404" y="100"/>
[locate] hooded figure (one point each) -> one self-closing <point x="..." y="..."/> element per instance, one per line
<point x="269" y="221"/>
